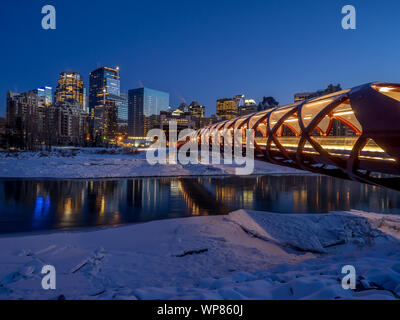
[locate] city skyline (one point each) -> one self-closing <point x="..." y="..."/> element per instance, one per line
<point x="198" y="50"/>
<point x="214" y="152"/>
<point x="86" y="88"/>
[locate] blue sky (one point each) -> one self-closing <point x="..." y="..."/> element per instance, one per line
<point x="202" y="50"/>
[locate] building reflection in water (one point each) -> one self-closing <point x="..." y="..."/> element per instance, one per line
<point x="38" y="205"/>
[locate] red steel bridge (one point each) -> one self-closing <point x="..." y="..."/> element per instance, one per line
<point x="352" y="134"/>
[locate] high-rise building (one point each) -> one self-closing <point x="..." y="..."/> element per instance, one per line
<point x="20" y="107"/>
<point x="229" y="108"/>
<point x="26" y="115"/>
<point x="103" y="80"/>
<point x="198" y="111"/>
<point x="85" y="101"/>
<point x="123" y="111"/>
<point x="45" y="95"/>
<point x="69" y="88"/>
<point x="68" y="123"/>
<point x="248" y="106"/>
<point x="105" y="102"/>
<point x="144" y="106"/>
<point x="31" y="122"/>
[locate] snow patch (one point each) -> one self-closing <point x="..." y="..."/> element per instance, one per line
<point x="111" y="163"/>
<point x="307" y="232"/>
<point x="218" y="259"/>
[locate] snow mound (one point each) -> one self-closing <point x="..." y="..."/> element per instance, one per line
<point x="308" y="232"/>
<point x="210" y="258"/>
<point x="389" y="224"/>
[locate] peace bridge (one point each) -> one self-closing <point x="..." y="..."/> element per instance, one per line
<point x="352" y="134"/>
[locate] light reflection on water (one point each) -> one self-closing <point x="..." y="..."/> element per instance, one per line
<point x="30" y="205"/>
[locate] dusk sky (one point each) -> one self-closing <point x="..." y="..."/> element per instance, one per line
<point x="202" y="50"/>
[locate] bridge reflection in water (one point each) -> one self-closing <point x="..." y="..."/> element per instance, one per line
<point x="32" y="205"/>
<point x="352" y="134"/>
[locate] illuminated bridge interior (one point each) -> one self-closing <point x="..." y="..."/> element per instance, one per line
<point x="353" y="134"/>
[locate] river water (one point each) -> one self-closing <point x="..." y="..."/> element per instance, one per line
<point x="36" y="205"/>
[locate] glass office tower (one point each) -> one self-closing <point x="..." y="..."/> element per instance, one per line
<point x="144" y="105"/>
<point x="105" y="101"/>
<point x="123" y="111"/>
<point x="103" y="81"/>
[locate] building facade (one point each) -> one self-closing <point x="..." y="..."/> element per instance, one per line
<point x="70" y="87"/>
<point x="197" y="110"/>
<point x="45" y="95"/>
<point x="32" y="123"/>
<point x="68" y="123"/>
<point x="184" y="120"/>
<point x="20" y="106"/>
<point x="249" y="106"/>
<point x="22" y="119"/>
<point x="123" y="111"/>
<point x="105" y="102"/>
<point x="103" y="80"/>
<point x="229" y="108"/>
<point x="144" y="107"/>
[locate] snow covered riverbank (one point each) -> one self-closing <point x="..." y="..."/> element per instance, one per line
<point x="246" y="255"/>
<point x="101" y="163"/>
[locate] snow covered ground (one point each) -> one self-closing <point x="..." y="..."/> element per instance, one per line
<point x="246" y="255"/>
<point x="97" y="163"/>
